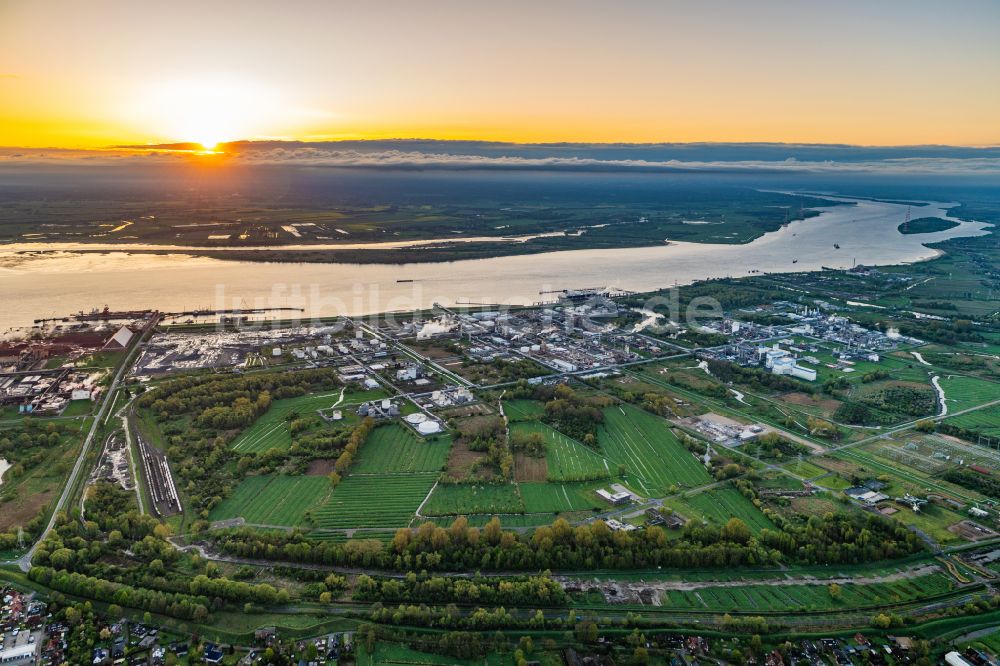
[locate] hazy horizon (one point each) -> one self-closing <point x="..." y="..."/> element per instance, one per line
<point x="112" y="73"/>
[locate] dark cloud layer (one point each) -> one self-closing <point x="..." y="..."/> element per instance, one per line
<point x="460" y="155"/>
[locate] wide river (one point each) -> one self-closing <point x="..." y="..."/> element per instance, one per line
<point x="64" y="281"/>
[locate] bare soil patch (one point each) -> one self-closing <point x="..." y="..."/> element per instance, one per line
<point x="971" y="531"/>
<point x="21" y="510"/>
<point x="478" y="409"/>
<point x="530" y="468"/>
<point x="320" y="467"/>
<point x="826" y="405"/>
<point x="461" y="459"/>
<point x="813" y="506"/>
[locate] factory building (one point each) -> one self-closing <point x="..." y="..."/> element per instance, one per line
<point x="781" y="362"/>
<point x="787" y="366"/>
<point x="614" y="498"/>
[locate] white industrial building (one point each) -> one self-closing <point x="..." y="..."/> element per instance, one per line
<point x="564" y="366"/>
<point x="615" y="498"/>
<point x="955" y="659"/>
<point x="407" y="374"/>
<point x="786" y="365"/>
<point x="121" y="339"/>
<point x="781" y="362"/>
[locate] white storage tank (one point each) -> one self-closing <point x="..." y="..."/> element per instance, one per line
<point x="429" y="427"/>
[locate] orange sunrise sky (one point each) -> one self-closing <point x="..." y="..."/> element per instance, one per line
<point x="95" y="74"/>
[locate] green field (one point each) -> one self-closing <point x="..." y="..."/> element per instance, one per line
<point x="990" y="641"/>
<point x="459" y="499"/>
<point x="984" y="421"/>
<point x="932" y="520"/>
<point x="270" y="431"/>
<point x="805" y="469"/>
<point x="393" y="654"/>
<point x="394" y="448"/>
<point x="747" y="598"/>
<point x="558" y="497"/>
<point x="965" y="392"/>
<point x="378" y="501"/>
<point x="273" y="499"/>
<point x="383" y="500"/>
<point x="523" y="410"/>
<point x="908" y="370"/>
<point x="653" y="458"/>
<point x="719" y="505"/>
<point x="78" y="408"/>
<point x="566" y="458"/>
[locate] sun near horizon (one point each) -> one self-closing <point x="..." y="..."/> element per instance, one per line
<point x="853" y="72"/>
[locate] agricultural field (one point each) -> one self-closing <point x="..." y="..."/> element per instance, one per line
<point x="392" y="654"/>
<point x="833" y="481"/>
<point x="776" y="481"/>
<point x="559" y="497"/>
<point x="654" y="459"/>
<point x="817" y="505"/>
<point x="513" y="520"/>
<point x="905" y="368"/>
<point x="270" y="431"/>
<point x="566" y="458"/>
<point x="274" y="500"/>
<point x="523" y="410"/>
<point x="748" y="597"/>
<point x="468" y="498"/>
<point x="985" y="422"/>
<point x="377" y="501"/>
<point x="820" y="405"/>
<point x="680" y="375"/>
<point x="718" y="505"/>
<point x="805" y="469"/>
<point x="964" y="392"/>
<point x="394" y="448"/>
<point x="982" y="362"/>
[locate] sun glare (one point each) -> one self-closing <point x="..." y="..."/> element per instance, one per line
<point x="208" y="112"/>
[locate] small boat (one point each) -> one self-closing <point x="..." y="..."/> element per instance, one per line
<point x="398" y="281"/>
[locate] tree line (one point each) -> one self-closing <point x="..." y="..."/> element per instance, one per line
<point x="185" y="607"/>
<point x="520" y="591"/>
<point x="848" y="538"/>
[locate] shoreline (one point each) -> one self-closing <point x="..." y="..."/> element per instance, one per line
<point x="55" y="281"/>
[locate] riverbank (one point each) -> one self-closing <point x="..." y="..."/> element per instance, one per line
<point x="57" y="283"/>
